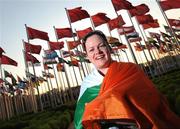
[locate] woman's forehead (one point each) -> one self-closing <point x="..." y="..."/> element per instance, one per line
<point x="94" y="39"/>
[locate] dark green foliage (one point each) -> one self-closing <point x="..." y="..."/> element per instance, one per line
<point x="58" y="118"/>
<point x="169" y="86"/>
<point x="14" y="125"/>
<point x="177" y="104"/>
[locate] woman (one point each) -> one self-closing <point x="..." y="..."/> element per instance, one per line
<point x="119" y="95"/>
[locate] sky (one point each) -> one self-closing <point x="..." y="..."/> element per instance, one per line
<point x="44" y="14"/>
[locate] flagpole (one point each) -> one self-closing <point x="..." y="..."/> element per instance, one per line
<point x="50" y="91"/>
<point x="55" y="74"/>
<point x="80" y="61"/>
<point x="39" y="96"/>
<point x="31" y="88"/>
<point x="61" y="74"/>
<point x="73" y="39"/>
<point x="167" y="22"/>
<point x="1" y="68"/>
<point x="142" y="66"/>
<point x="145" y="44"/>
<point x="131" y="50"/>
<point x="122" y="50"/>
<point x="172" y="31"/>
<point x="141" y="44"/>
<point x="72" y="65"/>
<point x="67" y="81"/>
<point x="57" y="83"/>
<point x="111" y="36"/>
<point x="92" y="24"/>
<point x="130" y="47"/>
<point x="50" y="83"/>
<point x="142" y="35"/>
<point x="5" y="105"/>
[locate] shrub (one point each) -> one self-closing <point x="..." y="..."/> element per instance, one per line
<point x="177" y="104"/>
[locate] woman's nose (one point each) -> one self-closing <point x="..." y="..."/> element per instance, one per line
<point x="98" y="50"/>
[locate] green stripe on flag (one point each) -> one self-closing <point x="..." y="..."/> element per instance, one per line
<point x="88" y="96"/>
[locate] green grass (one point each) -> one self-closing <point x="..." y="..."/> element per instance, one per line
<point x="169" y="86"/>
<point x="58" y="118"/>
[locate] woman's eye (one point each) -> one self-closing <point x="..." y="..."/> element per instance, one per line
<point x="90" y="50"/>
<point x="102" y="46"/>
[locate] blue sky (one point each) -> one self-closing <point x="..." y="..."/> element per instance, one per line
<point x="44" y="14"/>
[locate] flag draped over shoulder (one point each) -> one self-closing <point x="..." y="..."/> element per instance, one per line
<point x="77" y="14"/>
<point x="8" y="61"/>
<point x="89" y="90"/>
<point x="36" y="49"/>
<point x="129" y="95"/>
<point x="34" y="33"/>
<point x="99" y="19"/>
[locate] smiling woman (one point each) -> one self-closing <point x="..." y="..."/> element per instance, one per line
<point x="115" y="94"/>
<point x="98" y="50"/>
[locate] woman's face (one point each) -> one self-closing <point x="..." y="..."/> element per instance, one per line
<point x="97" y="52"/>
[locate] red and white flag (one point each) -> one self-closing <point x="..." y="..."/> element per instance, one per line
<point x="35" y="49"/>
<point x="125" y="30"/>
<point x="64" y="33"/>
<point x="116" y="23"/>
<point x="170" y="4"/>
<point x="99" y="19"/>
<point x="121" y="4"/>
<point x="77" y="14"/>
<point x="8" y="61"/>
<point x="56" y="45"/>
<point x="139" y="10"/>
<point x="145" y="19"/>
<point x="36" y="34"/>
<point x="82" y="33"/>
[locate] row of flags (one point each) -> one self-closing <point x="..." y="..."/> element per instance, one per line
<point x="76" y="14"/>
<point x="98" y="19"/>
